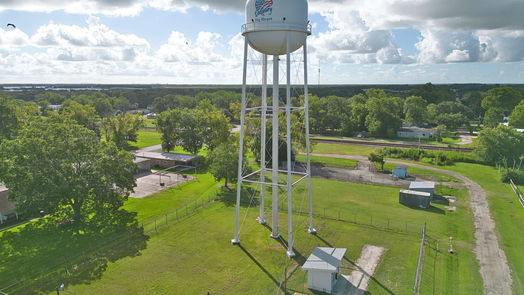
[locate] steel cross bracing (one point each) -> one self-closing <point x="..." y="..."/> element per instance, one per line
<point x="272" y="112"/>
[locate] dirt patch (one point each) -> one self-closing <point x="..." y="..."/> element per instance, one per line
<point x="357" y="282"/>
<point x="151" y="183"/>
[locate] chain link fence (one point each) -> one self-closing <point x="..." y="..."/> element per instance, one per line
<point x="88" y="259"/>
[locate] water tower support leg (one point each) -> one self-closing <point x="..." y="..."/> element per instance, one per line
<point x="290" y="252"/>
<point x="311" y="229"/>
<point x="236" y="239"/>
<point x="275" y="108"/>
<point x="262" y="217"/>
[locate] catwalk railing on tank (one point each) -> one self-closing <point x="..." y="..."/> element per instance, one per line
<point x="275" y="26"/>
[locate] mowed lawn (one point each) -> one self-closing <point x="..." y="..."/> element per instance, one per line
<point x="328" y="161"/>
<point x="146" y="138"/>
<point x="173" y="198"/>
<point x="194" y="256"/>
<point x="343" y="149"/>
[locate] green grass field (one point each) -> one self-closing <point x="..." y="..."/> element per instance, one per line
<point x="173" y="198"/>
<point x="146" y="138"/>
<point x="343" y="149"/>
<point x="194" y="256"/>
<point x="149" y="122"/>
<point x="328" y="161"/>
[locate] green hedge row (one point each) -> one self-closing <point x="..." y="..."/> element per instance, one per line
<point x="432" y="157"/>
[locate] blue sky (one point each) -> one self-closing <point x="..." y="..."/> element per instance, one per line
<point x="197" y="41"/>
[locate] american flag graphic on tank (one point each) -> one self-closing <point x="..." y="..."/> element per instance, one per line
<point x="263" y="7"/>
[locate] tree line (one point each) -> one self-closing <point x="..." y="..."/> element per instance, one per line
<point x="382" y="113"/>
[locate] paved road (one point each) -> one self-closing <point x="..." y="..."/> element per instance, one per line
<point x="494" y="267"/>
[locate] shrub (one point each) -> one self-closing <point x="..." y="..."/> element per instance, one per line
<point x="433" y="157"/>
<point x="516" y="175"/>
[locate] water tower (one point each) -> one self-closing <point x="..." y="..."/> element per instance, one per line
<point x="275" y="28"/>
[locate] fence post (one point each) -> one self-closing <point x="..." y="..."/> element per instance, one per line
<point x="338" y="215"/>
<point x="166" y="219"/>
<point x="388" y="223"/>
<point x="155" y="225"/>
<point x="418" y="275"/>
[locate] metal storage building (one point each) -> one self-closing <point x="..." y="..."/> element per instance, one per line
<point x="323" y="266"/>
<point x="167" y="160"/>
<point x="415" y="199"/>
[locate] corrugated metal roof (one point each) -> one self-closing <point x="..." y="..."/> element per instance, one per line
<point x="421" y="184"/>
<point x="325" y="259"/>
<point x="141" y="160"/>
<point x="167" y="156"/>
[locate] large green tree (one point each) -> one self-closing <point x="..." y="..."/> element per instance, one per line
<point x="473" y="101"/>
<point x="167" y="125"/>
<point x="449" y="113"/>
<point x="501" y="145"/>
<point x="223" y="161"/>
<point x="84" y="115"/>
<point x="415" y="110"/>
<point x="217" y="129"/>
<point x="9" y="123"/>
<point x="516" y="119"/>
<point x="65" y="170"/>
<point x="504" y="98"/>
<point x="13" y="115"/>
<point x="384" y="115"/>
<point x="493" y="117"/>
<point x="183" y="127"/>
<point x="121" y="129"/>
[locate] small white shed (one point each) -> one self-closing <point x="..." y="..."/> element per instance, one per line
<point x="323" y="267"/>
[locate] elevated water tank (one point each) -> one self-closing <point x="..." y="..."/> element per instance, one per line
<point x="269" y="21"/>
